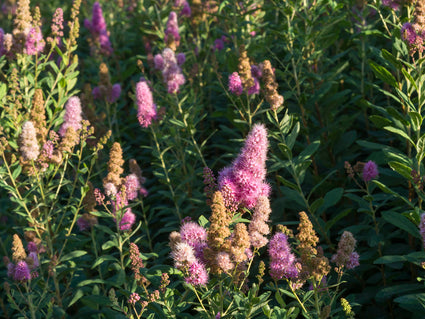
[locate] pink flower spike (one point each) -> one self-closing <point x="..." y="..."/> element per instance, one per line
<point x="370" y="171"/>
<point x="235" y="84"/>
<point x="72" y="116"/>
<point x="146" y="109"/>
<point x="127" y="220"/>
<point x="22" y="271"/>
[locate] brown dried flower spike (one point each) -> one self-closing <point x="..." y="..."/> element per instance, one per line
<point x="244" y="69"/>
<point x="115" y="166"/>
<point x="18" y="249"/>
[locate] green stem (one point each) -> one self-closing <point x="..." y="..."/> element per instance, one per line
<point x="164" y="168"/>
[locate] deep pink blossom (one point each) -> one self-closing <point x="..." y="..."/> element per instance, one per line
<point x="127" y="220"/>
<point x="22" y="271"/>
<point x="246" y="177"/>
<point x="146" y="109"/>
<point x="97" y="28"/>
<point x="370" y="171"/>
<point x="198" y="275"/>
<point x="282" y="260"/>
<point x="34" y="43"/>
<point x="172" y="28"/>
<point x="235" y="84"/>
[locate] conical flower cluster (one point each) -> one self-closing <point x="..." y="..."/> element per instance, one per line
<point x="245" y="179"/>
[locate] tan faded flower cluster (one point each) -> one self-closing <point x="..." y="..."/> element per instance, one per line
<point x="115" y="167"/>
<point x="244" y="69"/>
<point x="270" y="86"/>
<point x="313" y="262"/>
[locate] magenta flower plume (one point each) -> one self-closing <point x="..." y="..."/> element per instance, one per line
<point x="127" y="220"/>
<point x="34" y="43"/>
<point x="115" y="93"/>
<point x="172" y="28"/>
<point x="245" y="179"/>
<point x="132" y="186"/>
<point x="235" y="84"/>
<point x="72" y="116"/>
<point x="282" y="260"/>
<point x="171" y="71"/>
<point x="146" y="109"/>
<point x="408" y="34"/>
<point x="97" y="28"/>
<point x="370" y="171"/>
<point x="198" y="275"/>
<point x="186" y="11"/>
<point x="22" y="271"/>
<point x="98" y="24"/>
<point x="255" y="89"/>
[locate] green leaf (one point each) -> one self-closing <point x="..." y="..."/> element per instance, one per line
<point x="109" y="244"/>
<point x="74" y="254"/>
<point x="102" y="259"/>
<point x="420" y="148"/>
<point x="308" y="151"/>
<point x="316" y="204"/>
<point x="203" y="221"/>
<point x="383" y="74"/>
<point x="409" y="78"/>
<point x="416" y="119"/>
<point x="399" y="132"/>
<point x="389" y="292"/>
<point x="78" y="294"/>
<point x="379" y="121"/>
<point x="389" y="259"/>
<point x="401" y="168"/>
<point x="413" y="302"/>
<point x="331" y="198"/>
<point x="279" y="299"/>
<point x="385" y="189"/>
<point x="401" y="222"/>
<point x="288" y="183"/>
<point x="90" y="282"/>
<point x="16" y="172"/>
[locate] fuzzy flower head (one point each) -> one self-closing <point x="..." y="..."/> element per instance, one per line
<point x="282" y="260"/>
<point x="34" y="43"/>
<point x="132" y="186"/>
<point x="193" y="234"/>
<point x="246" y="176"/>
<point x="370" y="171"/>
<point x="198" y="275"/>
<point x="97" y="27"/>
<point x="170" y="69"/>
<point x="72" y="116"/>
<point x="146" y="108"/>
<point x="127" y="220"/>
<point x="28" y="142"/>
<point x="172" y="28"/>
<point x="183" y="255"/>
<point x="346" y="256"/>
<point x="22" y="271"/>
<point x="235" y="84"/>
